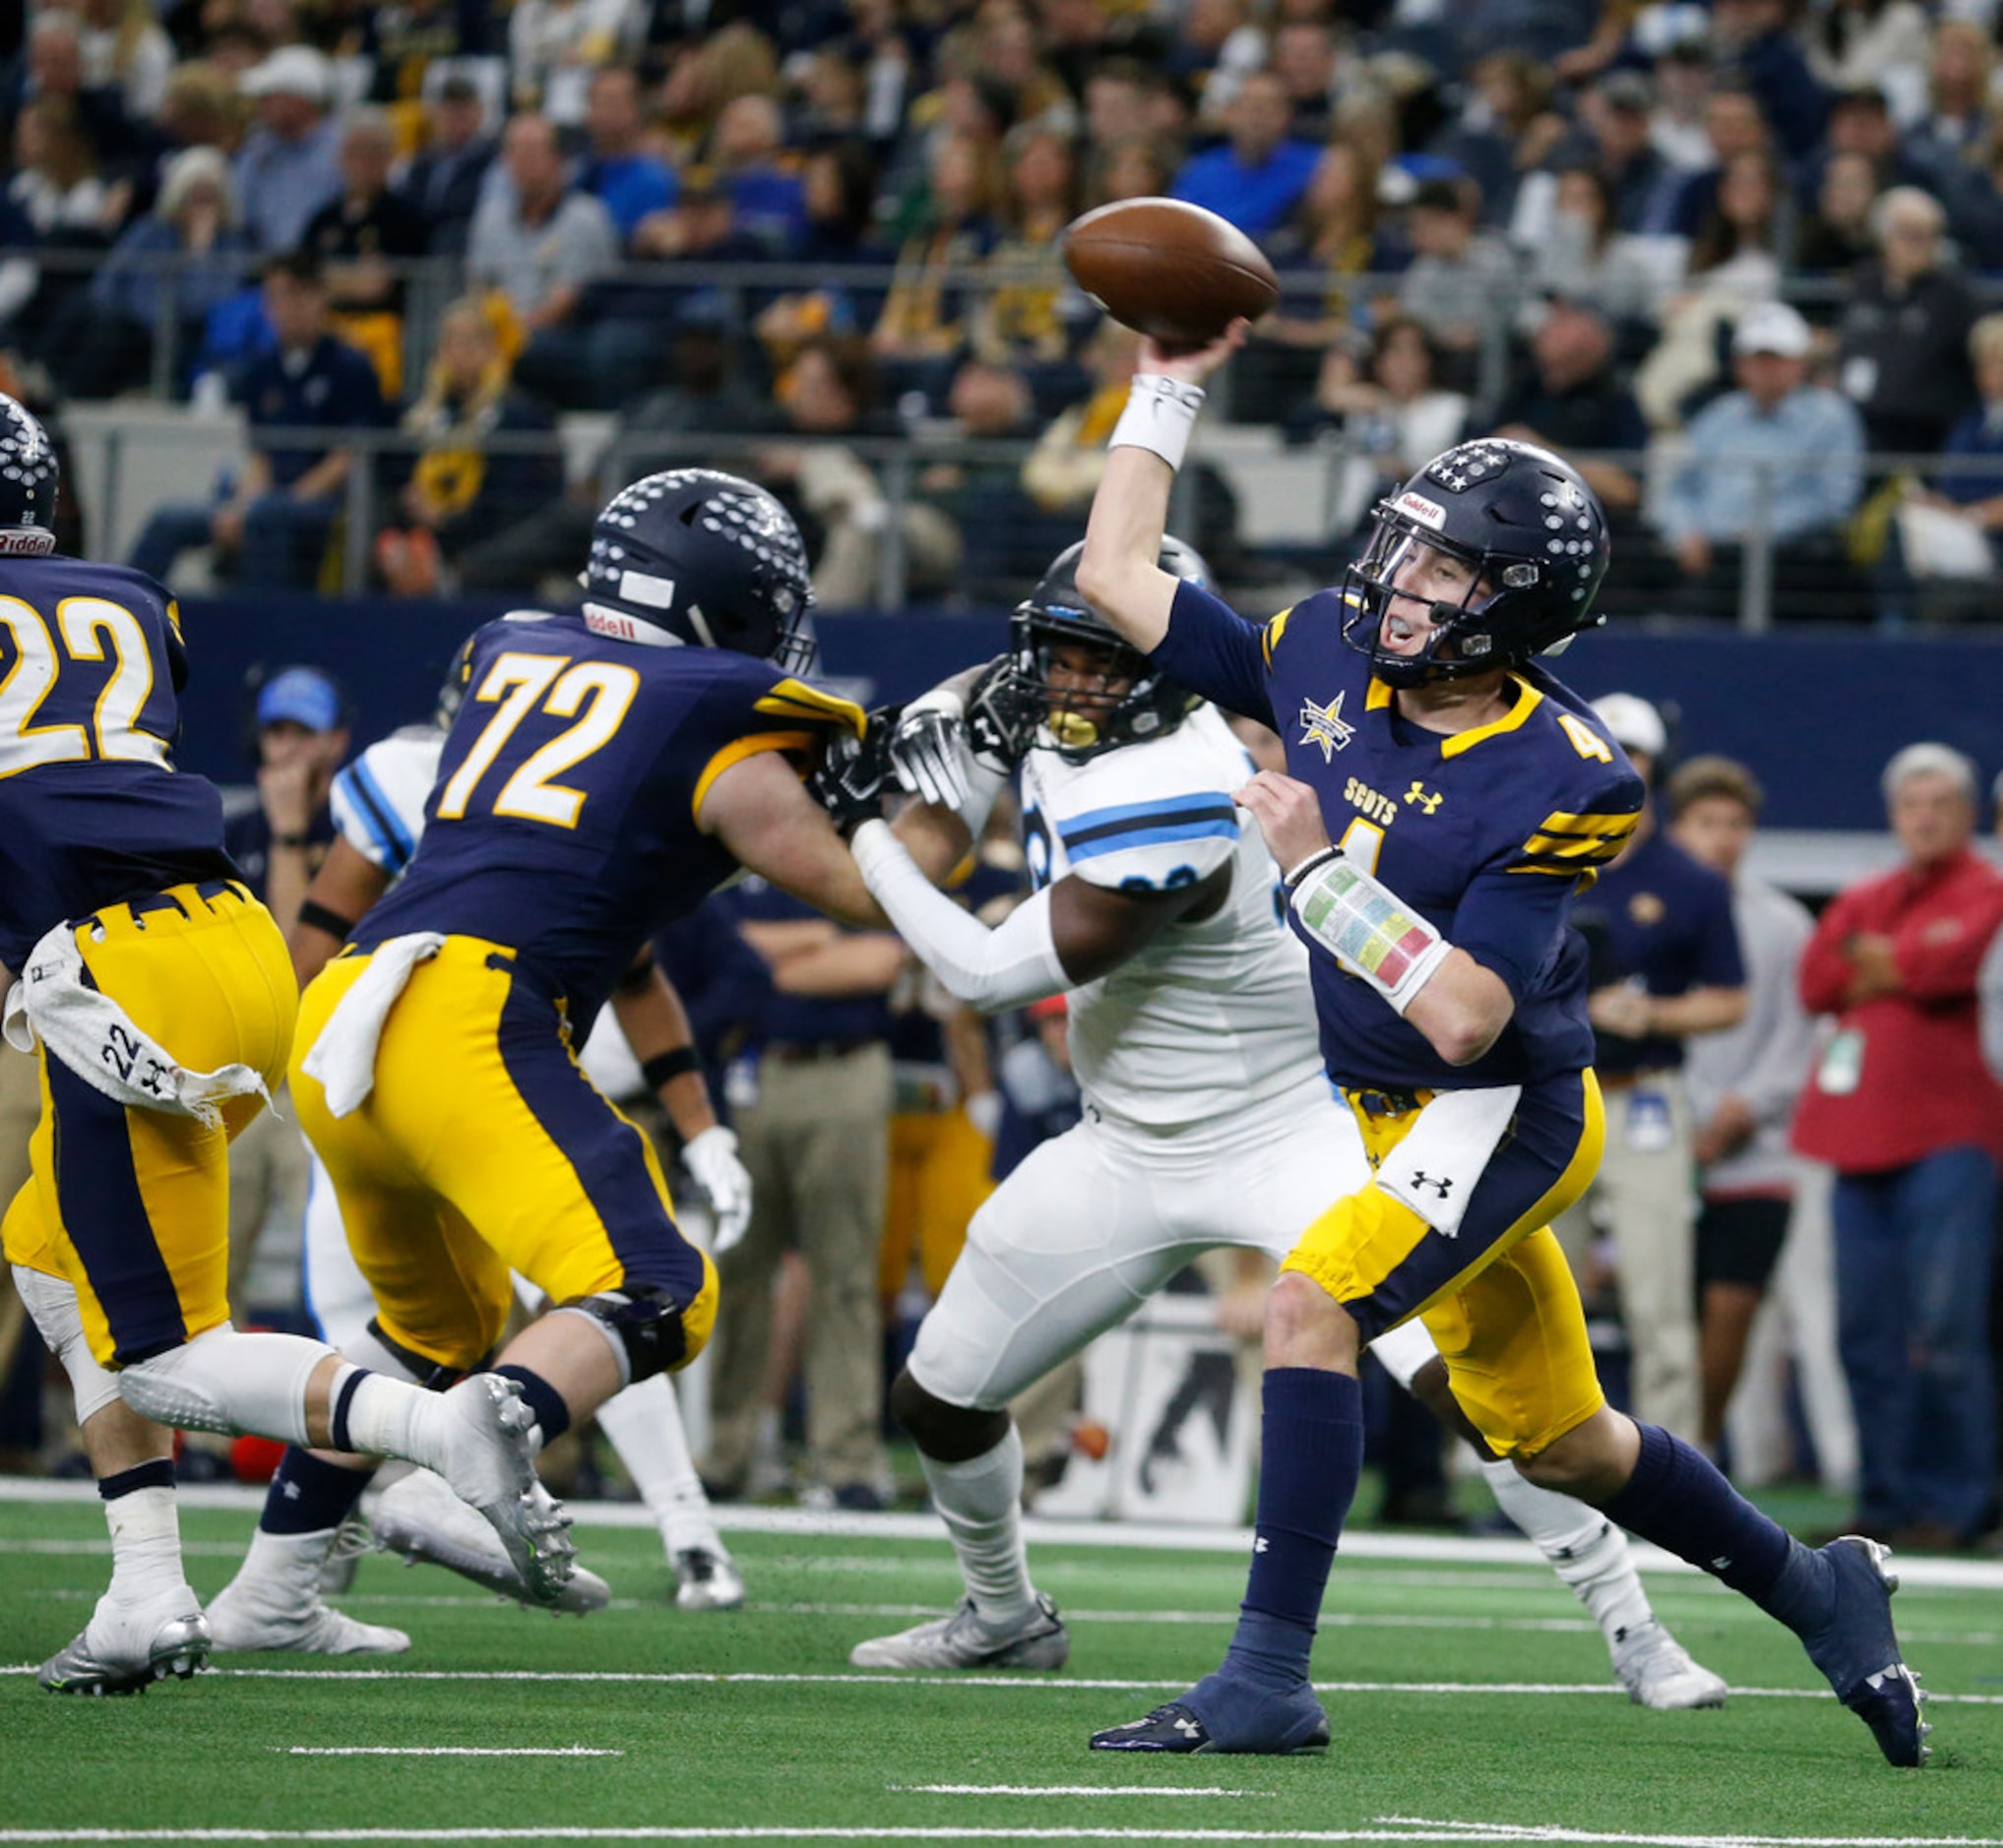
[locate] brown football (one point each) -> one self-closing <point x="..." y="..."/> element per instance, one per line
<point x="1171" y="271"/>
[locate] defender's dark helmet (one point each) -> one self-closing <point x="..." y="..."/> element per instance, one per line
<point x="1529" y="529"/>
<point x="452" y="688"/>
<point x="707" y="558"/>
<point x="28" y="483"/>
<point x="1054" y="612"/>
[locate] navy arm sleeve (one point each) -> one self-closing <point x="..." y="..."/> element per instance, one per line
<point x="1212" y="650"/>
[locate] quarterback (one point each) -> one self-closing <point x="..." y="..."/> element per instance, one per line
<point x="1208" y="1120"/>
<point x="1446" y="797"/>
<point x="156" y="992"/>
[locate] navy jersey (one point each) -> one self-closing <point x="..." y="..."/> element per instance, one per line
<point x="1486" y="834"/>
<point x="91" y="809"/>
<point x="1668" y="922"/>
<point x="563" y="821"/>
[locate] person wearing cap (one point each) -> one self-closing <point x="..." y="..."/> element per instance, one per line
<point x="1777" y="452"/>
<point x="1903" y="1109"/>
<point x="289" y="164"/>
<point x="1742" y="1081"/>
<point x="1665" y="968"/>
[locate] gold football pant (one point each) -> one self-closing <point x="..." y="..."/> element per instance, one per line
<point x="132" y="1206"/>
<point x="483" y="1148"/>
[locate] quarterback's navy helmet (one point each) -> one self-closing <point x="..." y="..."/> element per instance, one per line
<point x="1081" y="724"/>
<point x="707" y="558"/>
<point x="1534" y="537"/>
<point x="28" y="482"/>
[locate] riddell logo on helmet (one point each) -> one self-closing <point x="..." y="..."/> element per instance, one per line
<point x="604" y="622"/>
<point x="1426" y="513"/>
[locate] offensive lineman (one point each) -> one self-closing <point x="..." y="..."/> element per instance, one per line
<point x="158" y="997"/>
<point x="1470" y="792"/>
<point x="1207" y="1112"/>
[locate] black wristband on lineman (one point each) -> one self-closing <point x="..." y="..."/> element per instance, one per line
<point x="323" y="919"/>
<point x="664" y="1065"/>
<point x="292" y="840"/>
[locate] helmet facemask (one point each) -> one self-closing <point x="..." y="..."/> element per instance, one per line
<point x="1120" y="697"/>
<point x="1458" y="645"/>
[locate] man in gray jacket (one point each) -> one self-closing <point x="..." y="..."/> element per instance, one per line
<point x="1743" y="1082"/>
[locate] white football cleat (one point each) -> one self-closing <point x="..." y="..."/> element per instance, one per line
<point x="273" y="1603"/>
<point x="489" y="1462"/>
<point x="122" y="1650"/>
<point x="419" y="1518"/>
<point x="963" y="1641"/>
<point x="707" y="1578"/>
<point x="1657" y="1672"/>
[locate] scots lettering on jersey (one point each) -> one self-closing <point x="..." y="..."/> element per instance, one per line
<point x="1380" y="808"/>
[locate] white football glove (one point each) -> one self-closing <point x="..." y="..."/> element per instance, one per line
<point x="927" y="750"/>
<point x="712" y="1157"/>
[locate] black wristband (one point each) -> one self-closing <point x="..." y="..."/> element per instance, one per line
<point x="664" y="1065"/>
<point x="322" y="918"/>
<point x="1291" y="879"/>
<point x="291" y="840"/>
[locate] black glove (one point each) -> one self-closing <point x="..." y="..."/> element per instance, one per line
<point x="856" y="772"/>
<point x="1001" y="716"/>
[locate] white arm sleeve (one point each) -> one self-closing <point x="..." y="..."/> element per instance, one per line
<point x="989" y="970"/>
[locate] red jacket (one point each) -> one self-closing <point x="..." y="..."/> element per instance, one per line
<point x="1923" y="1086"/>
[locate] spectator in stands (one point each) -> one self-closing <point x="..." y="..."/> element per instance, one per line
<point x="1585" y="259"/>
<point x="1942" y="530"/>
<point x="444" y="177"/>
<point x="289" y="164"/>
<point x="554" y="44"/>
<point x="1611" y="138"/>
<point x="1257" y="177"/>
<point x="1507" y="129"/>
<point x="1000" y="538"/>
<point x="1461" y="281"/>
<point x="1778" y="453"/>
<point x="1902" y="343"/>
<point x="1951" y="141"/>
<point x="1132" y="167"/>
<point x="1835" y="235"/>
<point x="411" y="36"/>
<point x="63" y="203"/>
<point x="361" y="240"/>
<point x="831" y="393"/>
<point x="1742" y="1081"/>
<point x="1860" y="122"/>
<point x="747" y="149"/>
<point x="54" y="67"/>
<point x="924" y="317"/>
<point x="1217" y="47"/>
<point x="103" y="344"/>
<point x="1033" y="314"/>
<point x="1743" y="239"/>
<point x="536" y="241"/>
<point x="1852" y="42"/>
<point x="276" y="519"/>
<point x="617" y="170"/>
<point x="1570" y="399"/>
<point x="1752" y="38"/>
<point x="1124" y="96"/>
<point x="1307" y="58"/>
<point x="459" y="490"/>
<point x="840" y="186"/>
<point x="1903" y="1107"/>
<point x="1732" y="126"/>
<point x="124" y="50"/>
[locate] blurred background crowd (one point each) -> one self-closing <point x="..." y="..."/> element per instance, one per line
<point x="416" y="277"/>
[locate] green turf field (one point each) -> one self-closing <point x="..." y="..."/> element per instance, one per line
<point x="1468" y="1697"/>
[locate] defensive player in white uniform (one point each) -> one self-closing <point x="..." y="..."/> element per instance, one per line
<point x="273" y="1603"/>
<point x="1208" y="1120"/>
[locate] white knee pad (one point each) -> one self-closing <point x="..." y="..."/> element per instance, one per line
<point x="227" y="1381"/>
<point x="52" y="1301"/>
<point x="1402" y="1351"/>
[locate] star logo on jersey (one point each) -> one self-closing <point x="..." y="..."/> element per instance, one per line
<point x="1426" y="798"/>
<point x="1325" y="727"/>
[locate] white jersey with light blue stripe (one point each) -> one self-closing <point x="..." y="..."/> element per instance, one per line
<point x="1212" y="1017"/>
<point x="379" y="799"/>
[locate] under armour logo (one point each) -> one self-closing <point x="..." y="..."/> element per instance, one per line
<point x="1260" y="1544"/>
<point x="1187" y="1726"/>
<point x="1442" y="1185"/>
<point x="1419" y="794"/>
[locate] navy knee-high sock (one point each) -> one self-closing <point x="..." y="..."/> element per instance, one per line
<point x="1677" y="1499"/>
<point x="308" y="1495"/>
<point x="1311" y="1458"/>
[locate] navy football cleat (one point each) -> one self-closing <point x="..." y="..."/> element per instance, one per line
<point x="1249" y="1720"/>
<point x="1858" y="1648"/>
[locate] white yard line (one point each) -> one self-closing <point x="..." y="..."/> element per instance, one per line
<point x="1413" y="1830"/>
<point x="447" y="1752"/>
<point x="1073" y="1790"/>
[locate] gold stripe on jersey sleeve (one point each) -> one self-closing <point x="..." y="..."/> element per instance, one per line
<point x="174" y="618"/>
<point x="737" y="750"/>
<point x="1269" y="637"/>
<point x="1568" y="843"/>
<point x="794" y="698"/>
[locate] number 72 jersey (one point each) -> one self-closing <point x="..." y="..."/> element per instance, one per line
<point x="564" y="821"/>
<point x="92" y="807"/>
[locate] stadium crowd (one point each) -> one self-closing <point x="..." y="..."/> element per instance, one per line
<point x="827" y="220"/>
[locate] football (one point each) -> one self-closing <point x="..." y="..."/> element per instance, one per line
<point x="1175" y="272"/>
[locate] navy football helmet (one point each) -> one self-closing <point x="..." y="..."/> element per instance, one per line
<point x="709" y="558"/>
<point x="1527" y="527"/>
<point x="1079" y="723"/>
<point x="452" y="688"/>
<point x="28" y="483"/>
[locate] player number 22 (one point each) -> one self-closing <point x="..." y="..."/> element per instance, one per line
<point x="93" y="629"/>
<point x="597" y="694"/>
